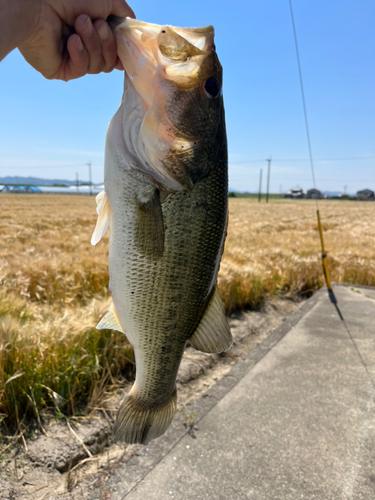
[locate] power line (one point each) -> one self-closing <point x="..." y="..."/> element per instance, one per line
<point x="44" y="166"/>
<point x="296" y="176"/>
<point x="242" y="162"/>
<point x="358" y="158"/>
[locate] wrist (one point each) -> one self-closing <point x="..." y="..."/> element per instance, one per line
<point x="18" y="19"/>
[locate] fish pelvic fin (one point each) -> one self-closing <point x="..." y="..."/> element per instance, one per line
<point x="213" y="332"/>
<point x="103" y="211"/>
<point x="110" y="321"/>
<point x="137" y="423"/>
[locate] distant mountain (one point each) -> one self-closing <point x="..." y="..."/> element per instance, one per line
<point x="35" y="181"/>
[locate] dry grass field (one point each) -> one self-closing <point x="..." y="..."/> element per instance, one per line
<point x="275" y="248"/>
<point x="53" y="287"/>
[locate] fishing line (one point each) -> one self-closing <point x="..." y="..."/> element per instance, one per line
<point x="324" y="254"/>
<point x="303" y="99"/>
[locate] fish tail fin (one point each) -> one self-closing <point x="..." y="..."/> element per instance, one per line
<point x="136" y="423"/>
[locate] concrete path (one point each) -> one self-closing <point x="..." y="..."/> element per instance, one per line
<point x="296" y="419"/>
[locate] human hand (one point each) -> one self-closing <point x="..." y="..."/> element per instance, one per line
<point x="71" y="38"/>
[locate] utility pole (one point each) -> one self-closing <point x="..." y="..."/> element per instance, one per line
<point x="77" y="182"/>
<point x="89" y="165"/>
<point x="260" y="186"/>
<point x="268" y="178"/>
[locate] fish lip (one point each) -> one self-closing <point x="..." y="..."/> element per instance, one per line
<point x="201" y="38"/>
<point x="129" y="22"/>
<point x="139" y="48"/>
<point x="136" y="56"/>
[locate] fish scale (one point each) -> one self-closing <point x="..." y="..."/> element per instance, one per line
<point x="156" y="281"/>
<point x="165" y="201"/>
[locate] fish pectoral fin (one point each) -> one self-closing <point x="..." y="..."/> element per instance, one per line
<point x="110" y="321"/>
<point x="103" y="210"/>
<point x="213" y="332"/>
<point x="150" y="224"/>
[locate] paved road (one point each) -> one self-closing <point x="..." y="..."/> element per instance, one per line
<point x="294" y="420"/>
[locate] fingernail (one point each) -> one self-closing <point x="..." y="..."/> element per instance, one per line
<point x="79" y="44"/>
<point x="87" y="27"/>
<point x="103" y="31"/>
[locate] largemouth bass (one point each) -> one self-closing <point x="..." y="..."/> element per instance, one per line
<point x="165" y="202"/>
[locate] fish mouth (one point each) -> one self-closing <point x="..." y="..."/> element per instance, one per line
<point x="175" y="77"/>
<point x="151" y="53"/>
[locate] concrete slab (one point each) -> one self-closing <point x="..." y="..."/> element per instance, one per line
<point x="366" y="291"/>
<point x="294" y="420"/>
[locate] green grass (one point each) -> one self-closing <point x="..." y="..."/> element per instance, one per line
<point x="64" y="366"/>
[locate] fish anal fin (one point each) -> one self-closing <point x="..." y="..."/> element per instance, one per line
<point x="213" y="332"/>
<point x="150" y="224"/>
<point x="102" y="223"/>
<point x="110" y="321"/>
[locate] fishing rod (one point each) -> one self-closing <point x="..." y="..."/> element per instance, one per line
<point x="324" y="254"/>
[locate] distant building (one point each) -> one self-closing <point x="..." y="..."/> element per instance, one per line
<point x="314" y="194"/>
<point x="294" y="193"/>
<point x="20" y="189"/>
<point x="366" y="195"/>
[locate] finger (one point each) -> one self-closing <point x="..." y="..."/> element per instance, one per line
<point x="122" y="9"/>
<point x="108" y="42"/>
<point x="78" y="62"/>
<point x="91" y="42"/>
<point x="119" y="65"/>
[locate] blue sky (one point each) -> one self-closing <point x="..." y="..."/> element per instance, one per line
<point x="51" y="129"/>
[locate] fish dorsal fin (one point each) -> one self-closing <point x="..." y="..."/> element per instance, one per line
<point x="213" y="332"/>
<point x="110" y="321"/>
<point x="103" y="211"/>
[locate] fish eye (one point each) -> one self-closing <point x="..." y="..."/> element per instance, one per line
<point x="212" y="88"/>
